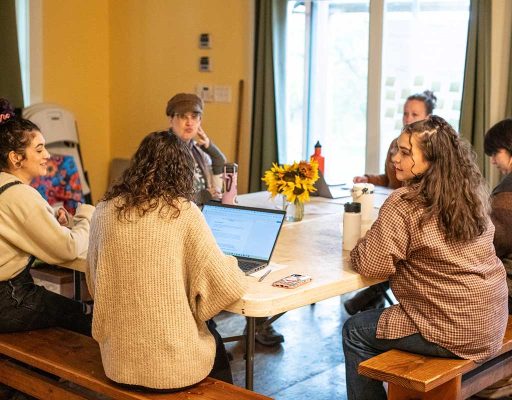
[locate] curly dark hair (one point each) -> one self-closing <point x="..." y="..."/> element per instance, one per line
<point x="160" y="173"/>
<point x="15" y="134"/>
<point x="452" y="187"/>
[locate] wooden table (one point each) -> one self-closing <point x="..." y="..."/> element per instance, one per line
<point x="311" y="246"/>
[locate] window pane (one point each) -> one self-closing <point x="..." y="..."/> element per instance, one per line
<point x="326" y="84"/>
<point x="424" y="47"/>
<point x="338" y="86"/>
<point x="294" y="81"/>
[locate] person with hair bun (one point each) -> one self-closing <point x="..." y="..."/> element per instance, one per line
<point x="417" y="107"/>
<point x="29" y="229"/>
<point x="433" y="241"/>
<point x="157" y="275"/>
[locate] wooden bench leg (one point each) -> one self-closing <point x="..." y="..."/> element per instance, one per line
<point x="34" y="384"/>
<point x="450" y="390"/>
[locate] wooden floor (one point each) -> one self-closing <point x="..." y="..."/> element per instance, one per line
<point x="308" y="365"/>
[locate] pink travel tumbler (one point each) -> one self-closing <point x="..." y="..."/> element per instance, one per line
<point x="229" y="187"/>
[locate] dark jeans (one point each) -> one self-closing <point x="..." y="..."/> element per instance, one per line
<point x="25" y="306"/>
<point x="360" y="343"/>
<point x="221" y="368"/>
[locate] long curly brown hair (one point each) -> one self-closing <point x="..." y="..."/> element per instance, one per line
<point x="452" y="187"/>
<point x="160" y="173"/>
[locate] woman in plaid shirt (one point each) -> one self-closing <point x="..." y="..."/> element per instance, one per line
<point x="433" y="241"/>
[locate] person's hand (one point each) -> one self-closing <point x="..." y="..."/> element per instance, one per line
<point x="216" y="193"/>
<point x="62" y="216"/>
<point x="360" y="179"/>
<point x="202" y="138"/>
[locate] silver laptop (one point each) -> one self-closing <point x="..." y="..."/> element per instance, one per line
<point x="330" y="191"/>
<point x="250" y="234"/>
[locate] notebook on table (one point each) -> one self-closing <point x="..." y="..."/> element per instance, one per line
<point x="248" y="233"/>
<point x="330" y="191"/>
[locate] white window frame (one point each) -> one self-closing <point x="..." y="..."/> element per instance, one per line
<point x="29" y="19"/>
<point x="373" y="161"/>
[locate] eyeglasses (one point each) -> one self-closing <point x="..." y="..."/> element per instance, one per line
<point x="194" y="116"/>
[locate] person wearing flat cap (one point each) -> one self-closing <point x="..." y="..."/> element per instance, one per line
<point x="185" y="111"/>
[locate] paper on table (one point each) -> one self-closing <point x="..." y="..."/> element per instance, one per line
<point x="272" y="266"/>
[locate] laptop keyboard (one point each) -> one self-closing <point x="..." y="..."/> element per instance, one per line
<point x="249" y="265"/>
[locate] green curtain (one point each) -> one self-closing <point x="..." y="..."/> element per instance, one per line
<point x="474" y="117"/>
<point x="10" y="72"/>
<point x="268" y="101"/>
<point x="508" y="109"/>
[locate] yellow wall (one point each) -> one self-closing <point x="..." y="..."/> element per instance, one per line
<point x="116" y="63"/>
<point x="154" y="54"/>
<point x="75" y="75"/>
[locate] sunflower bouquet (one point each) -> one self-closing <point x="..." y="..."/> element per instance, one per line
<point x="295" y="182"/>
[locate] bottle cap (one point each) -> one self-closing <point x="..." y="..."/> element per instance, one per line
<point x="353" y="207"/>
<point x="363" y="188"/>
<point x="318" y="144"/>
<point x="230" y="168"/>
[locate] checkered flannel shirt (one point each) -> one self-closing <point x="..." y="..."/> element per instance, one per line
<point x="453" y="293"/>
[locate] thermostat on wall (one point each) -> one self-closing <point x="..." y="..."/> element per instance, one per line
<point x="205" y="64"/>
<point x="205" y="41"/>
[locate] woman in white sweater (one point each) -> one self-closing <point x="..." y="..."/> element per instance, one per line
<point x="29" y="228"/>
<point x="157" y="274"/>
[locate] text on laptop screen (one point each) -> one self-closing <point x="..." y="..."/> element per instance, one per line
<point x="243" y="232"/>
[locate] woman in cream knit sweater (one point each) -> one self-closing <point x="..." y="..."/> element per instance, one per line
<point x="157" y="274"/>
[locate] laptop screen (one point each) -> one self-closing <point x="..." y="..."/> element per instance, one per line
<point x="243" y="231"/>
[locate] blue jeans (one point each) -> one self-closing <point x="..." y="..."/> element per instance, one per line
<point x="360" y="343"/>
<point x="26" y="306"/>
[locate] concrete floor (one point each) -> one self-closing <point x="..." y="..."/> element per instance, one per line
<point x="308" y="365"/>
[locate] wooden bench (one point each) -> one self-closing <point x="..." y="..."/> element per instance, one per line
<point x="413" y="376"/>
<point x="76" y="358"/>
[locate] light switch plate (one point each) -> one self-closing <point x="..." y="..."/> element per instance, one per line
<point x="222" y="93"/>
<point x="205" y="92"/>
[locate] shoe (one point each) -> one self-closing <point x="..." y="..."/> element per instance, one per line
<point x="364" y="300"/>
<point x="376" y="303"/>
<point x="268" y="336"/>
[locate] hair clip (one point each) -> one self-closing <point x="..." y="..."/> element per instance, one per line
<point x="4" y="117"/>
<point x="429" y="133"/>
